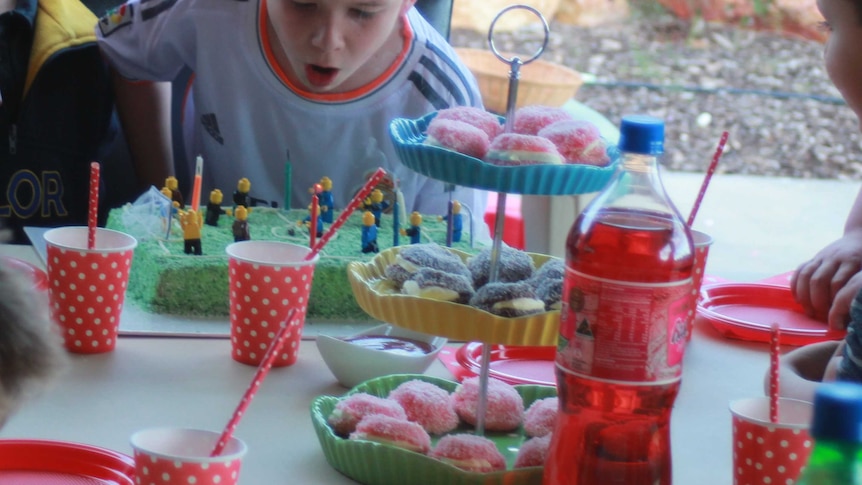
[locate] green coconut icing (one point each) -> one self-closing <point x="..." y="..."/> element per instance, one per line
<point x="164" y="280"/>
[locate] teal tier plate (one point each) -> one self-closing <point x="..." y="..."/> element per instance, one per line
<point x="452" y="167"/>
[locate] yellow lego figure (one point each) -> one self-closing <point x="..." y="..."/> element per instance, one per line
<point x="176" y="196"/>
<point x="214" y="209"/>
<point x="414" y="231"/>
<point x="191" y="222"/>
<point x="240" y="225"/>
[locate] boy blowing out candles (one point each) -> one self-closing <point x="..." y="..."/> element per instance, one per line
<point x="318" y="79"/>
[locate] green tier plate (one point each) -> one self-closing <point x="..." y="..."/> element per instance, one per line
<point x="373" y="463"/>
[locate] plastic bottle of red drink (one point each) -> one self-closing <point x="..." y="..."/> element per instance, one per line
<point x="622" y="327"/>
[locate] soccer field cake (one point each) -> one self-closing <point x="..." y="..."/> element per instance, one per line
<point x="165" y="280"/>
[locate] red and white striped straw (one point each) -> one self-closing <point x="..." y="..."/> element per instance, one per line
<point x="711" y="170"/>
<point x="93" y="209"/>
<point x="360" y="196"/>
<point x="262" y="370"/>
<point x="774" y="352"/>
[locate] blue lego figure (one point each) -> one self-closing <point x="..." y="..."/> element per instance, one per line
<point x="327" y="205"/>
<point x="457" y="221"/>
<point x="369" y="233"/>
<point x="414" y="231"/>
<point x="376" y="205"/>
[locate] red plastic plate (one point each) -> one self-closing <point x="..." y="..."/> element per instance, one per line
<point x="39" y="277"/>
<point x="747" y="311"/>
<point x="515" y="365"/>
<point x="32" y="462"/>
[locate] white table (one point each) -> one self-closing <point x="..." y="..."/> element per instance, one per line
<point x="192" y="382"/>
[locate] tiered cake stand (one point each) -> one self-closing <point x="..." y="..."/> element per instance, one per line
<point x="461" y="322"/>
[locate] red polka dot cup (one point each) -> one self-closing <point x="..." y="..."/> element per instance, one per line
<point x="266" y="280"/>
<point x="702" y="242"/>
<point x="764" y="452"/>
<point x="177" y="456"/>
<point x="87" y="287"/>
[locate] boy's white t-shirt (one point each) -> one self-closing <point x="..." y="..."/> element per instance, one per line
<point x="246" y="119"/>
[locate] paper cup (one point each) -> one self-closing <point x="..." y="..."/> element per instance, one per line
<point x="87" y="287"/>
<point x="764" y="452"/>
<point x="267" y="279"/>
<point x="177" y="456"/>
<point x="702" y="242"/>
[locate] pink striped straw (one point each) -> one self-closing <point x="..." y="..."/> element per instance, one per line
<point x="709" y="172"/>
<point x="259" y="376"/>
<point x="93" y="209"/>
<point x="360" y="196"/>
<point x="774" y="352"/>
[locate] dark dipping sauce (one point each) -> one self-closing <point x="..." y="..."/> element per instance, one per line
<point x="396" y="345"/>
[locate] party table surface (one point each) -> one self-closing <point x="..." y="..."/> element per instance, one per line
<point x="192" y="382"/>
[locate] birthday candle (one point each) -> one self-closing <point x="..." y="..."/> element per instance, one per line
<point x="288" y="169"/>
<point x="196" y="190"/>
<point x="315" y="204"/>
<point x="395" y="222"/>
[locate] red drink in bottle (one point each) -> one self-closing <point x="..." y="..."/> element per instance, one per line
<point x="622" y="331"/>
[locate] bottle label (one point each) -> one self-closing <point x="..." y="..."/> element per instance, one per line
<point x="623" y="331"/>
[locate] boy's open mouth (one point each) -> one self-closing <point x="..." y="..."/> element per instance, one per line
<point x="319" y="76"/>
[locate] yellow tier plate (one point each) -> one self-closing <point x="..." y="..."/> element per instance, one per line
<point x="378" y="297"/>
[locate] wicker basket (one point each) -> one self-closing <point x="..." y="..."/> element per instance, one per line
<point x="541" y="82"/>
<point x="477" y="15"/>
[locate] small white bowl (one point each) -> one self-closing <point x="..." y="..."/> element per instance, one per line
<point x="352" y="363"/>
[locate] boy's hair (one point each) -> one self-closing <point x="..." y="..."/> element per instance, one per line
<point x="30" y="352"/>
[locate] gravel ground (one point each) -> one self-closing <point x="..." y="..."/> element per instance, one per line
<point x="770" y="92"/>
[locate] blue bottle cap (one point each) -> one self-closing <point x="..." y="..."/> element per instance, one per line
<point x="838" y="412"/>
<point x="642" y="134"/>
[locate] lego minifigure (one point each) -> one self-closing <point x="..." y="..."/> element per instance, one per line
<point x="369" y="233"/>
<point x="307" y="222"/>
<point x="414" y="231"/>
<point x="327" y="205"/>
<point x="169" y="213"/>
<point x="214" y="209"/>
<point x="240" y="225"/>
<point x="457" y="221"/>
<point x="176" y="196"/>
<point x="241" y="195"/>
<point x="191" y="222"/>
<point x="377" y="205"/>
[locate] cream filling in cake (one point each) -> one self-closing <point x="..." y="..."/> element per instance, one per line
<point x="519" y="156"/>
<point x="521" y="304"/>
<point x="432" y="292"/>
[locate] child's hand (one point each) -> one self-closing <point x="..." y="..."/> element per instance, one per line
<point x="839" y="312"/>
<point x="831" y="372"/>
<point x="817" y="284"/>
